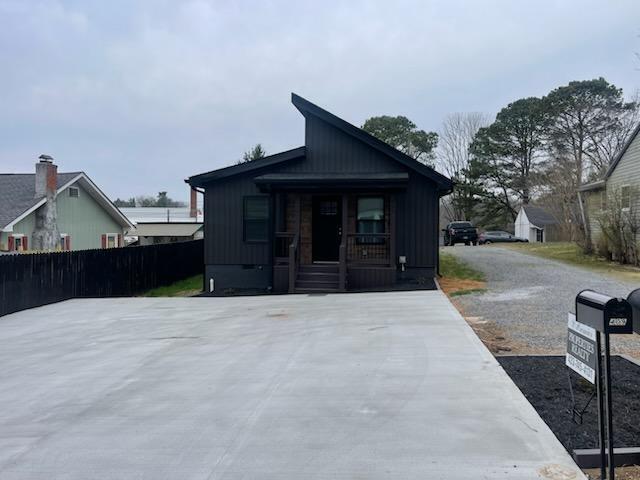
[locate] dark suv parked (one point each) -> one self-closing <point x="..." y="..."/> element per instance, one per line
<point x="460" y="232"/>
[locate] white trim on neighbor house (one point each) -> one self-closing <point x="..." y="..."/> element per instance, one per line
<point x="100" y="197"/>
<point x="109" y="236"/>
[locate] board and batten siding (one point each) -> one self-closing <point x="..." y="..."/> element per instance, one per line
<point x="330" y="150"/>
<point x="224" y="225"/>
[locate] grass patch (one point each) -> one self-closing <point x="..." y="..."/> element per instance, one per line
<point x="183" y="288"/>
<point x="459" y="278"/>
<point x="572" y="254"/>
<point x="458" y="293"/>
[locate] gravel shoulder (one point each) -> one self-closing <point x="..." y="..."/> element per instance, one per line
<point x="527" y="299"/>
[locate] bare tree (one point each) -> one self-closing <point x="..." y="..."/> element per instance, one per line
<point x="607" y="143"/>
<point x="456" y="135"/>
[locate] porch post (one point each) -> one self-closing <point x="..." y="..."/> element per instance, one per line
<point x="392" y="227"/>
<point x="343" y="244"/>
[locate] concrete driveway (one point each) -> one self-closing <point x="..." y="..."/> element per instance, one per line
<point x="352" y="386"/>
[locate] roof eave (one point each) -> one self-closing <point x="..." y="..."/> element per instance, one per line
<point x="203" y="179"/>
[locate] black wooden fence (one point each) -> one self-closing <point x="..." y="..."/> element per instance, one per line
<point x="31" y="280"/>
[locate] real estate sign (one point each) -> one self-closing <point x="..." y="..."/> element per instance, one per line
<point x="581" y="349"/>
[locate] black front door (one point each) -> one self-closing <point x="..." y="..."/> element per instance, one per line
<point x="326" y="226"/>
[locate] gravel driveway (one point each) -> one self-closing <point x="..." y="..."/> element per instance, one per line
<point x="528" y="297"/>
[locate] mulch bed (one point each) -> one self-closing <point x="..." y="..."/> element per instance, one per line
<point x="544" y="380"/>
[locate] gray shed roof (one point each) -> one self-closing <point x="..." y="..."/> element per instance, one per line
<point x="539" y="216"/>
<point x="17" y="193"/>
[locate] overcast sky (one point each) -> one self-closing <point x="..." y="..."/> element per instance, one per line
<point x="142" y="94"/>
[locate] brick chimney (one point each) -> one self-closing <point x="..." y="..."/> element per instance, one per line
<point x="46" y="176"/>
<point x="193" y="204"/>
<point x="46" y="235"/>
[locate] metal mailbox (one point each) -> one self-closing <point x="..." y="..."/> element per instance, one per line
<point x="604" y="313"/>
<point x="634" y="301"/>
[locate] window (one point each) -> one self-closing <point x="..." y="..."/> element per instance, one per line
<point x="539" y="235"/>
<point x="603" y="200"/>
<point x="110" y="240"/>
<point x="74" y="192"/>
<point x="370" y="219"/>
<point x="65" y="242"/>
<point x="625" y="197"/>
<point x="256" y="218"/>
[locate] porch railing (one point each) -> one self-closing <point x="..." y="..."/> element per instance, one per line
<point x="293" y="263"/>
<point x="282" y="242"/>
<point x="369" y="248"/>
<point x="288" y="253"/>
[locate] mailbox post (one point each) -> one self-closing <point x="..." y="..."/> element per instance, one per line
<point x="604" y="315"/>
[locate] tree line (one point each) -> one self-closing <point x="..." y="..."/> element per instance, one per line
<point x="538" y="149"/>
<point x="161" y="200"/>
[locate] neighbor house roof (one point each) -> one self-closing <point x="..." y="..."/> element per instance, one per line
<point x="164" y="229"/>
<point x="18" y="190"/>
<point x="601" y="183"/>
<point x="539" y="216"/>
<point x="307" y="108"/>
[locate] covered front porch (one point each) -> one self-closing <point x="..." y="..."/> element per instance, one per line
<point x="331" y="240"/>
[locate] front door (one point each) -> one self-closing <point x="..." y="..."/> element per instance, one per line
<point x="326" y="227"/>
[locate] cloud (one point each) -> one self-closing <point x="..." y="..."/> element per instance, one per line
<point x="142" y="94"/>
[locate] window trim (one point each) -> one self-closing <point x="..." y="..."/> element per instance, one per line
<point x="77" y="189"/>
<point x="115" y="240"/>
<point x="245" y="198"/>
<point x="628" y="207"/>
<point x="375" y="241"/>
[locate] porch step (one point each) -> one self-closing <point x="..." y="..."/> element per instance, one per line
<point x="319" y="268"/>
<point x="318" y="278"/>
<point x="316" y="284"/>
<point x="317" y="290"/>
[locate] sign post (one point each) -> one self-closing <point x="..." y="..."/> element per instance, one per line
<point x="596" y="315"/>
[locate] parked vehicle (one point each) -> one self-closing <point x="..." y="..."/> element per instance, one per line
<point x="499" y="237"/>
<point x="460" y="232"/>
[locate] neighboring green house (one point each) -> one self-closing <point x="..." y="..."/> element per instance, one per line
<point x="49" y="211"/>
<point x="617" y="193"/>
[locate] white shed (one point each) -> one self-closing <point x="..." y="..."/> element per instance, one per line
<point x="535" y="224"/>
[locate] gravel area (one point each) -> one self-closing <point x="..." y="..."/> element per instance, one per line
<point x="528" y="298"/>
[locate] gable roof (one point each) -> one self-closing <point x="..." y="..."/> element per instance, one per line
<point x="306" y="107"/>
<point x="601" y="183"/>
<point x="17" y="196"/>
<point x="620" y="154"/>
<point x="276" y="159"/>
<point x="538" y="216"/>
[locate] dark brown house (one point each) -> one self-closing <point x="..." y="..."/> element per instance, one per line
<point x="344" y="212"/>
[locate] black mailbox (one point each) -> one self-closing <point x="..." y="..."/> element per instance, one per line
<point x="634" y="301"/>
<point x="604" y="313"/>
